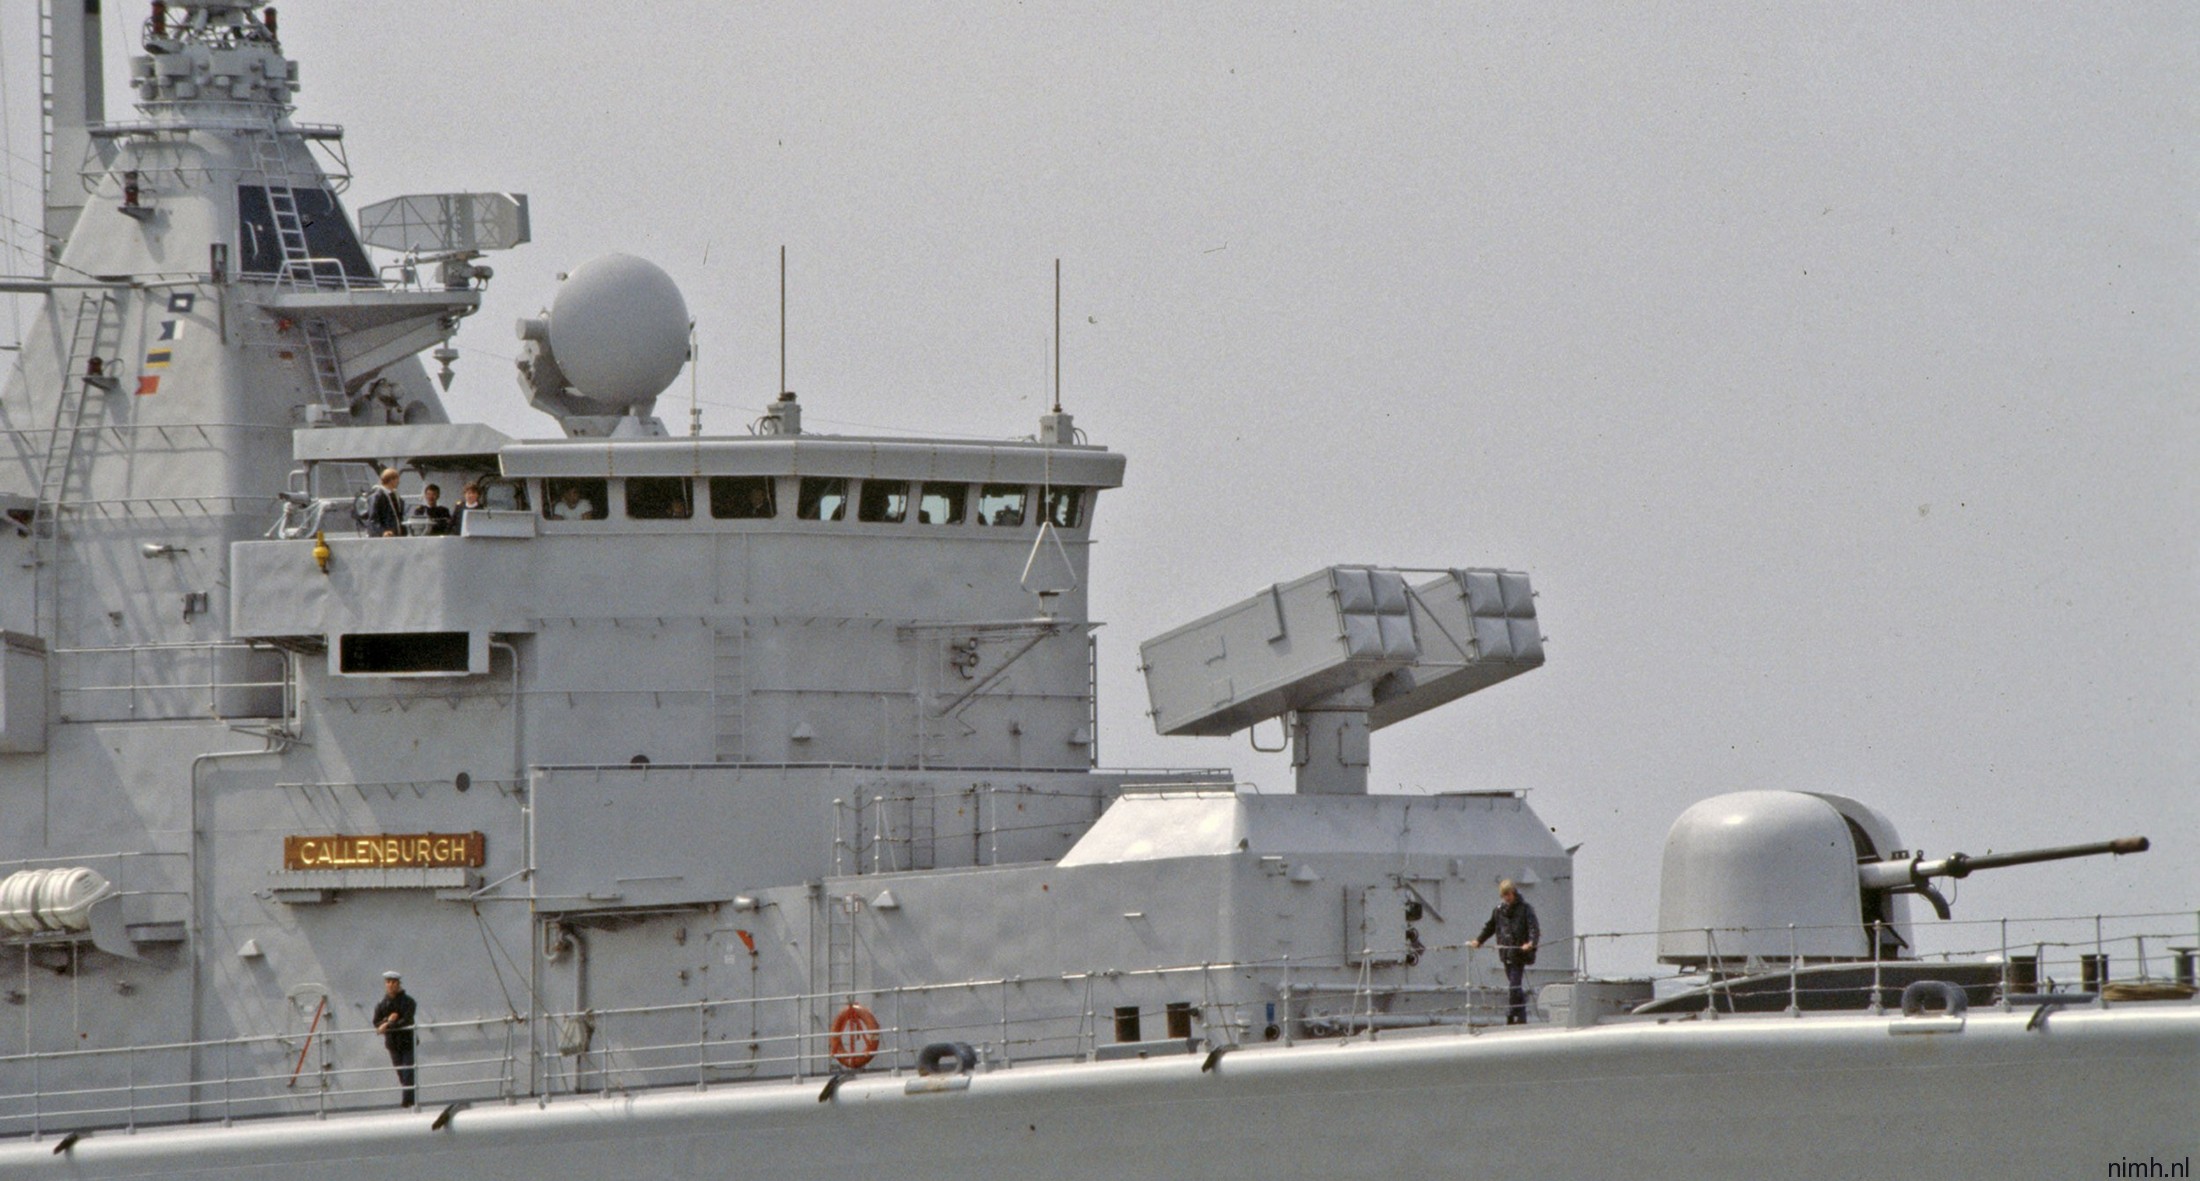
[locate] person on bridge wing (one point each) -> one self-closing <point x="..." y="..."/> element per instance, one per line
<point x="393" y="1019"/>
<point x="1513" y="922"/>
<point x="385" y="508"/>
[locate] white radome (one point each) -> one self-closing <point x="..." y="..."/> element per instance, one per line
<point x="619" y="329"/>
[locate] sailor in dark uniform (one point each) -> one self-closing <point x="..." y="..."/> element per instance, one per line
<point x="393" y="1019"/>
<point x="1513" y="922"/>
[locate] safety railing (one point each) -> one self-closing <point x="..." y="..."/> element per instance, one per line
<point x="1455" y="990"/>
<point x="2003" y="957"/>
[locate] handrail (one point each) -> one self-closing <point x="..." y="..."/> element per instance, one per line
<point x="728" y="1040"/>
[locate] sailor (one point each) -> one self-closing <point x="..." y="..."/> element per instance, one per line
<point x="1513" y="922"/>
<point x="468" y="500"/>
<point x="385" y="508"/>
<point x="393" y="1019"/>
<point x="572" y="506"/>
<point x="438" y="516"/>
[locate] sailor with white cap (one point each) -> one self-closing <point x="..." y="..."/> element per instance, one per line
<point x="393" y="1019"/>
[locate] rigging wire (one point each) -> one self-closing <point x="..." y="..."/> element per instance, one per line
<point x="7" y="199"/>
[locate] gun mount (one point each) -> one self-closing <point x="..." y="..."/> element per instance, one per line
<point x="1915" y="875"/>
<point x="1775" y="876"/>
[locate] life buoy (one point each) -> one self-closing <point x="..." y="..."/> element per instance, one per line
<point x="855" y="1037"/>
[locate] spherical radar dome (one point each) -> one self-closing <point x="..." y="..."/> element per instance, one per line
<point x="619" y="329"/>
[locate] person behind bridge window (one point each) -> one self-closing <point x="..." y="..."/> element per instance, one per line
<point x="385" y="508"/>
<point x="393" y="1019"/>
<point x="1513" y="923"/>
<point x="438" y="516"/>
<point x="468" y="500"/>
<point x="572" y="506"/>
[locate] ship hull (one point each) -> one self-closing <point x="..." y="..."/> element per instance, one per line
<point x="1982" y="1096"/>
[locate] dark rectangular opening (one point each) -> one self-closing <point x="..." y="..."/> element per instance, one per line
<point x="403" y="652"/>
<point x="743" y="498"/>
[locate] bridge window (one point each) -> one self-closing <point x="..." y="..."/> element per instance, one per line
<point x="823" y="498"/>
<point x="1002" y="504"/>
<point x="942" y="504"/>
<point x="884" y="501"/>
<point x="1065" y="507"/>
<point x="574" y="500"/>
<point x="499" y="493"/>
<point x="659" y="498"/>
<point x="743" y="498"/>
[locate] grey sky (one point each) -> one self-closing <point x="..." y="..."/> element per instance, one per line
<point x="1832" y="371"/>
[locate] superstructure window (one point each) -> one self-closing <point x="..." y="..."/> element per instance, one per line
<point x="942" y="504"/>
<point x="884" y="501"/>
<point x="743" y="498"/>
<point x="575" y="499"/>
<point x="1002" y="504"/>
<point x="659" y="498"/>
<point x="503" y="494"/>
<point x="1065" y="507"/>
<point x="822" y="498"/>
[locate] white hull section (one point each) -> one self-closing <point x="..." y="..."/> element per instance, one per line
<point x="1736" y="1097"/>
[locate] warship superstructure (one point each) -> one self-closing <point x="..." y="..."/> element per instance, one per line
<point x="734" y="805"/>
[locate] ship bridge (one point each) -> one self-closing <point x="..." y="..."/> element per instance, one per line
<point x="779" y="598"/>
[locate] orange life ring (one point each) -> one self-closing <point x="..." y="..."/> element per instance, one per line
<point x="855" y="1037"/>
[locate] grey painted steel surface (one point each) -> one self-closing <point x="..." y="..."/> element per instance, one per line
<point x="729" y="773"/>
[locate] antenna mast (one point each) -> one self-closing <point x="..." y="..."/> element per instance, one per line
<point x="782" y="319"/>
<point x="1057" y="336"/>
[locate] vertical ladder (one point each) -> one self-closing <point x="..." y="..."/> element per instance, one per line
<point x="923" y="827"/>
<point x="840" y="946"/>
<point x="328" y="373"/>
<point x="299" y="265"/>
<point x="77" y="382"/>
<point x="729" y="692"/>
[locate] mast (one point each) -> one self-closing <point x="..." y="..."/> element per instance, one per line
<point x="74" y="101"/>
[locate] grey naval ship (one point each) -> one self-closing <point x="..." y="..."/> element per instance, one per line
<point x="795" y="858"/>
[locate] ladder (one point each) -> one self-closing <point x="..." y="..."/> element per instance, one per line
<point x="290" y="233"/>
<point x="923" y="828"/>
<point x="77" y="382"/>
<point x="840" y="945"/>
<point x="328" y="372"/>
<point x="729" y="692"/>
<point x="299" y="265"/>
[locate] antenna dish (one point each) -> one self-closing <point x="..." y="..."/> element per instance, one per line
<point x="444" y="223"/>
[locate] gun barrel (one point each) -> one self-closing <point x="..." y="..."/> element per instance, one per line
<point x="1961" y="865"/>
<point x="1917" y="871"/>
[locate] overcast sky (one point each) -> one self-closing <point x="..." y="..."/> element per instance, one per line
<point x="1830" y="370"/>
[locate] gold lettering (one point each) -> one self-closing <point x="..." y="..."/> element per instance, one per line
<point x="386" y="851"/>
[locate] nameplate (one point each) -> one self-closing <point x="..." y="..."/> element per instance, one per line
<point x="409" y="850"/>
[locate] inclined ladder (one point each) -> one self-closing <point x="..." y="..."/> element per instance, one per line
<point x="328" y="372"/>
<point x="78" y="380"/>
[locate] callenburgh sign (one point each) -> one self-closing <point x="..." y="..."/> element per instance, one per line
<point x="413" y="850"/>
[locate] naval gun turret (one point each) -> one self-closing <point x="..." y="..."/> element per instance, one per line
<point x="1781" y="876"/>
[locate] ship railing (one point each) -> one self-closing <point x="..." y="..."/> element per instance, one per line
<point x="1061" y="1017"/>
<point x="323" y="274"/>
<point x="318" y="1072"/>
<point x="143" y="690"/>
<point x="2079" y="954"/>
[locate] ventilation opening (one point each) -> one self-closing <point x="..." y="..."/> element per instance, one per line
<point x="406" y="654"/>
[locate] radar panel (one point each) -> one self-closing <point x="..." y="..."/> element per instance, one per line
<point x="437" y="223"/>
